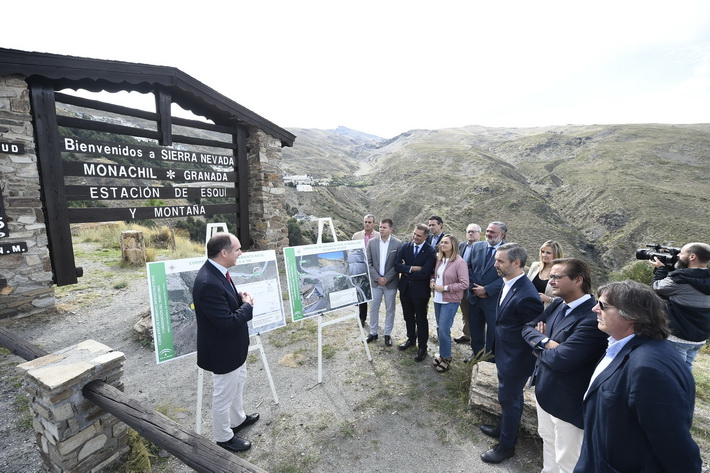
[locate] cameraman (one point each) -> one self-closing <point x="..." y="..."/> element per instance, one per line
<point x="687" y="290"/>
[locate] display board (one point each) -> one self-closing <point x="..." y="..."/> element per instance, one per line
<point x="170" y="287"/>
<point x="326" y="276"/>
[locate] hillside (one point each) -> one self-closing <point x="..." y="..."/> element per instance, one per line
<point x="601" y="190"/>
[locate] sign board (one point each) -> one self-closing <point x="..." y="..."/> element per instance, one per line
<point x="170" y="287"/>
<point x="11" y="148"/>
<point x="326" y="277"/>
<point x="13" y="248"/>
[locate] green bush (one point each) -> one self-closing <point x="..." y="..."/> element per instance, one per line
<point x="639" y="271"/>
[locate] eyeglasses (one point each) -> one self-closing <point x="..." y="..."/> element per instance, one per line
<point x="604" y="306"/>
<point x="556" y="277"/>
<point x="473" y="231"/>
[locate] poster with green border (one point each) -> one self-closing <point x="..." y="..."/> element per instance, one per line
<point x="173" y="313"/>
<point x="325" y="277"/>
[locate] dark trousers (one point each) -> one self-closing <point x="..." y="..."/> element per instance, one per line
<point x="415" y="317"/>
<point x="510" y="398"/>
<point x="482" y="325"/>
<point x="363" y="311"/>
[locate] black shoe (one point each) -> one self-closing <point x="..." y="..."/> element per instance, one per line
<point x="462" y="339"/>
<point x="371" y="337"/>
<point x="407" y="344"/>
<point x="490" y="430"/>
<point x="251" y="419"/>
<point x="388" y="341"/>
<point x="497" y="454"/>
<point x="236" y="444"/>
<point x="421" y="354"/>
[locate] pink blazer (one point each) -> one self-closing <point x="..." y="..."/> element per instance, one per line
<point x="455" y="276"/>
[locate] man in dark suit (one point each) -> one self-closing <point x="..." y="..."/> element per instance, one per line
<point x="518" y="304"/>
<point x="223" y="339"/>
<point x="367" y="233"/>
<point x="485" y="287"/>
<point x="568" y="344"/>
<point x="415" y="264"/>
<point x="436" y="231"/>
<point x="381" y="256"/>
<point x="473" y="235"/>
<point x="638" y="409"/>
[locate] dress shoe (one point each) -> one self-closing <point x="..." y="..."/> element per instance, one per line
<point x="497" y="454"/>
<point x="388" y="341"/>
<point x="462" y="339"/>
<point x="490" y="430"/>
<point x="421" y="354"/>
<point x="371" y="337"/>
<point x="251" y="419"/>
<point x="407" y="344"/>
<point x="236" y="444"/>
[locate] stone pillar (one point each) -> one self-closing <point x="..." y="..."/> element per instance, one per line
<point x="27" y="286"/>
<point x="132" y="247"/>
<point x="73" y="434"/>
<point x="267" y="199"/>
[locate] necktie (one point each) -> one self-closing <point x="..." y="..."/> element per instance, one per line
<point x="416" y="250"/>
<point x="229" y="278"/>
<point x="489" y="254"/>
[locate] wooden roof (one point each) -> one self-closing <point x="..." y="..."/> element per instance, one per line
<point x="96" y="75"/>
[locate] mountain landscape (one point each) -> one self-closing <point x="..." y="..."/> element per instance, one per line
<point x="601" y="190"/>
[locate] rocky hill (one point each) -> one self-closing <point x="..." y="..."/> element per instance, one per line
<point x="601" y="190"/>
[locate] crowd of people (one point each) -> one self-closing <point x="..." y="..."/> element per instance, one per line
<point x="611" y="391"/>
<point x="612" y="374"/>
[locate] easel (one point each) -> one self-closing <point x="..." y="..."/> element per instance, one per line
<point x="212" y="229"/>
<point x="321" y="324"/>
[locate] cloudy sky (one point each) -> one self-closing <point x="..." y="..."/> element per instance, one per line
<point x="388" y="66"/>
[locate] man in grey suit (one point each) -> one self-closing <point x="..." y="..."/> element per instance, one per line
<point x="473" y="235"/>
<point x="381" y="256"/>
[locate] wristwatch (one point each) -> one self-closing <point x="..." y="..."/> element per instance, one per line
<point x="544" y="341"/>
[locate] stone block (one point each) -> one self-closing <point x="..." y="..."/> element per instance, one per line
<point x="91" y="446"/>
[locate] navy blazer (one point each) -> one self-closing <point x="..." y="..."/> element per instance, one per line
<point x="521" y="305"/>
<point x="638" y="413"/>
<point x="222" y="322"/>
<point x="484" y="275"/>
<point x="562" y="374"/>
<point x="418" y="281"/>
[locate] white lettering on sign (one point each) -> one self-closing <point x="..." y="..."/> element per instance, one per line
<point x="213" y="192"/>
<point x="10" y="148"/>
<point x="205" y="176"/>
<point x="124" y="192"/>
<point x="71" y="144"/>
<point x="133" y="213"/>
<point x="179" y="211"/>
<point x="114" y="170"/>
<point x="177" y="155"/>
<point x="216" y="159"/>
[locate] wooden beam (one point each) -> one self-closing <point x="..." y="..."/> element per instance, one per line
<point x="19" y="346"/>
<point x="191" y="448"/>
<point x="243" y="186"/>
<point x="163" y="101"/>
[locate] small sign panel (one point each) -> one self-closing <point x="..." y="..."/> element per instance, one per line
<point x="11" y="148"/>
<point x="13" y="248"/>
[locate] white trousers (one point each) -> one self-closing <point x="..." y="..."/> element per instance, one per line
<point x="390" y="296"/>
<point x="561" y="443"/>
<point x="228" y="402"/>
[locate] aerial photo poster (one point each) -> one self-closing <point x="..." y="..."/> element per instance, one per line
<point x="170" y="287"/>
<point x="326" y="277"/>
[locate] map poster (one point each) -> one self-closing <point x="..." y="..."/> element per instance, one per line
<point x="170" y="288"/>
<point x="326" y="277"/>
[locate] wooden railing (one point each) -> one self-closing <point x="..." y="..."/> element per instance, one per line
<point x="191" y="448"/>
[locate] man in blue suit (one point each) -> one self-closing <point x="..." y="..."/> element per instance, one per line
<point x="638" y="409"/>
<point x="518" y="304"/>
<point x="223" y="339"/>
<point x="485" y="287"/>
<point x="568" y="344"/>
<point x="415" y="264"/>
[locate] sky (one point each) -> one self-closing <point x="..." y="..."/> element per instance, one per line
<point x="388" y="66"/>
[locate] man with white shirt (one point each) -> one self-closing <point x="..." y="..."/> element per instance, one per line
<point x="381" y="257"/>
<point x="638" y="408"/>
<point x="568" y="345"/>
<point x="367" y="233"/>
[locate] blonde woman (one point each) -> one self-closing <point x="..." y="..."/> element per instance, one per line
<point x="540" y="270"/>
<point x="449" y="281"/>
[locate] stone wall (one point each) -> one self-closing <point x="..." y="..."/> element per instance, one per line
<point x="28" y="276"/>
<point x="267" y="201"/>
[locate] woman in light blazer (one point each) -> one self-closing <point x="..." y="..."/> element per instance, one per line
<point x="539" y="271"/>
<point x="449" y="281"/>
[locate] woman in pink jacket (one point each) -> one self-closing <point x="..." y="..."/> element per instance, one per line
<point x="449" y="281"/>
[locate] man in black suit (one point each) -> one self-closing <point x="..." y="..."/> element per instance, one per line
<point x="518" y="304"/>
<point x="473" y="235"/>
<point x="485" y="287"/>
<point x="568" y="344"/>
<point x="436" y="231"/>
<point x="638" y="409"/>
<point x="223" y="339"/>
<point x="415" y="264"/>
